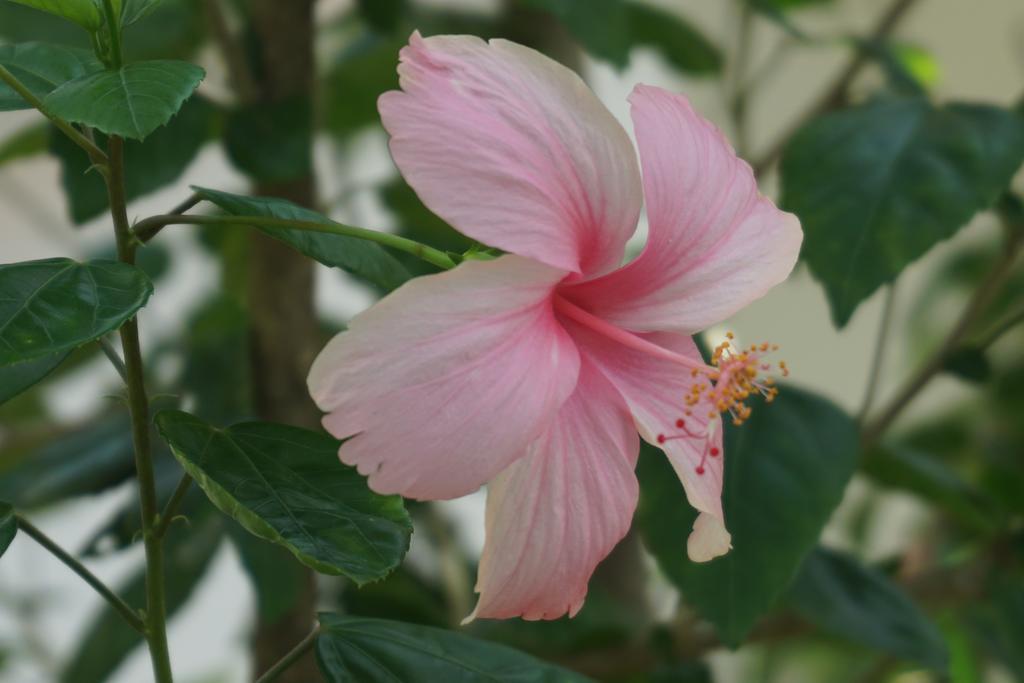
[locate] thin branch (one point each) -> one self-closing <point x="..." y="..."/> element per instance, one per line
<point x="982" y="296"/>
<point x="96" y="155"/>
<point x="112" y="355"/>
<point x="884" y="325"/>
<point x="145" y="229"/>
<point x="119" y="605"/>
<point x="836" y="95"/>
<point x="295" y="655"/>
<point x="160" y="529"/>
<point x="1011" y="320"/>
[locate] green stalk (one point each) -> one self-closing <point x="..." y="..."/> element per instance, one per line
<point x="114" y="26"/>
<point x="96" y="154"/>
<point x="138" y="405"/>
<point x="122" y="608"/>
<point x="145" y="229"/>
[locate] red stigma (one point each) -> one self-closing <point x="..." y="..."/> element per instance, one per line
<point x="714" y="451"/>
<point x="680" y="423"/>
<point x="700" y="469"/>
<point x="661" y="438"/>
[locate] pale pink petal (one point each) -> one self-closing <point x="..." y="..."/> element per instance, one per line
<point x="653" y="389"/>
<point x="556" y="513"/>
<point x="715" y="243"/>
<point x="443" y="383"/>
<point x="514" y="150"/>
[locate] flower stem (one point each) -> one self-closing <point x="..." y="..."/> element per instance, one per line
<point x="119" y="605"/>
<point x="876" y="361"/>
<point x="293" y="656"/>
<point x="138" y="405"/>
<point x="111" y="353"/>
<point x="145" y="229"/>
<point x="96" y="155"/>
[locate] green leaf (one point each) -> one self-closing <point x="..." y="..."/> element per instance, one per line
<point x="361" y="74"/>
<point x="108" y="641"/>
<point x="27" y="142"/>
<point x="382" y="15"/>
<point x="17" y="377"/>
<point x="131" y="102"/>
<point x="878" y="185"/>
<point x="152" y="164"/>
<point x="609" y="29"/>
<point x="55" y="305"/>
<point x="363" y="650"/>
<point x="286" y="485"/>
<point x="785" y="472"/>
<point x="848" y="600"/>
<point x="277" y="578"/>
<point x="271" y="142"/>
<point x="359" y="257"/>
<point x="8" y="526"/>
<point x="85" y="13"/>
<point x="42" y="68"/>
<point x="906" y="468"/>
<point x="87" y="460"/>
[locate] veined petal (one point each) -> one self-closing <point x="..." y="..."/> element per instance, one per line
<point x="443" y="383"/>
<point x="653" y="389"/>
<point x="715" y="243"/>
<point x="556" y="513"/>
<point x="514" y="150"/>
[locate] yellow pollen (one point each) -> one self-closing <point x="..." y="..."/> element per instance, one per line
<point x="735" y="375"/>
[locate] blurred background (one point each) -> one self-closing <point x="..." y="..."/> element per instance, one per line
<point x="754" y="68"/>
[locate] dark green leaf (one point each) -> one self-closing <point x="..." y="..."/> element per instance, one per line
<point x="86" y="460"/>
<point x="217" y="371"/>
<point x="42" y="68"/>
<point x="55" y="305"/>
<point x="17" y="377"/>
<point x="359" y="257"/>
<point x="849" y="600"/>
<point x="19" y="23"/>
<point x="131" y="102"/>
<point x="29" y="141"/>
<point x="609" y="29"/>
<point x="402" y="596"/>
<point x="8" y="526"/>
<point x="362" y="650"/>
<point x="152" y="164"/>
<point x="677" y="41"/>
<point x="878" y="185"/>
<point x="108" y="640"/>
<point x="785" y="472"/>
<point x="999" y="625"/>
<point x="906" y="468"/>
<point x="969" y="363"/>
<point x="85" y="13"/>
<point x="418" y="223"/>
<point x="172" y="29"/>
<point x="287" y="485"/>
<point x="271" y="142"/>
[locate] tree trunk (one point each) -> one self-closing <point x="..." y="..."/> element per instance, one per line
<point x="284" y="331"/>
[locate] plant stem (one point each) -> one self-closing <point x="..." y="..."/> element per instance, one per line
<point x="138" y="404"/>
<point x="836" y="94"/>
<point x="111" y="353"/>
<point x="122" y="608"/>
<point x="293" y="656"/>
<point x="114" y="26"/>
<point x="1000" y="328"/>
<point x="876" y="361"/>
<point x="160" y="530"/>
<point x="987" y="289"/>
<point x="145" y="229"/>
<point x="96" y="155"/>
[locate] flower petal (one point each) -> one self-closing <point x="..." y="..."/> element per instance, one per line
<point x="443" y="383"/>
<point x="654" y="388"/>
<point x="556" y="513"/>
<point x="715" y="243"/>
<point x="514" y="150"/>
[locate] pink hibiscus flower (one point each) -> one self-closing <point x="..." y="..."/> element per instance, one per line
<point x="534" y="372"/>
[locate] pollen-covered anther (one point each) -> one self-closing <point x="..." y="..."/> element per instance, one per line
<point x="736" y="374"/>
